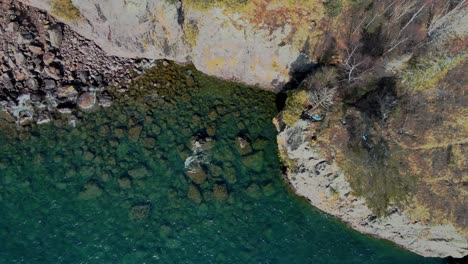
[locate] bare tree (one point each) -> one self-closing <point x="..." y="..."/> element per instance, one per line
<point x="321" y="97"/>
<point x="355" y="64"/>
<point x="445" y="23"/>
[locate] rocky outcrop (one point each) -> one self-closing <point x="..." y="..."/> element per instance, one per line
<point x="326" y="187"/>
<point x="48" y="72"/>
<point x="252" y="45"/>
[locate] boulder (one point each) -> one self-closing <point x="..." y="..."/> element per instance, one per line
<point x="139" y="172"/>
<point x="86" y="101"/>
<point x="67" y="92"/>
<point x="55" y="35"/>
<point x="140" y="211"/>
<point x="91" y="190"/>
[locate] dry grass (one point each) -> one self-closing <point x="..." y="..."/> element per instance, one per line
<point x="65" y="10"/>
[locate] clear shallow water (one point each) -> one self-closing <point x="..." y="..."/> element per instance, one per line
<point x="114" y="190"/>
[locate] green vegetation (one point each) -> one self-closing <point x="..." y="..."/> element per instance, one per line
<point x="294" y="106"/>
<point x="334" y="7"/>
<point x="65" y="10"/>
<point x="191" y="32"/>
<point x="289" y="163"/>
<point x="428" y="73"/>
<point x="374" y="175"/>
<point x="208" y="4"/>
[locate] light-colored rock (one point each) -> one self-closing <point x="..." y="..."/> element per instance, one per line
<point x="326" y="187"/>
<point x="226" y="45"/>
<point x="55" y="35"/>
<point x="67" y="92"/>
<point x="86" y="101"/>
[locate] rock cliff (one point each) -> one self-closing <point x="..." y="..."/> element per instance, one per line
<point x="255" y="45"/>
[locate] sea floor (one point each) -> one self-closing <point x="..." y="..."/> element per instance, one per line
<point x="114" y="189"/>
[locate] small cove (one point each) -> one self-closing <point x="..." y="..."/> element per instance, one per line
<point x="114" y="188"/>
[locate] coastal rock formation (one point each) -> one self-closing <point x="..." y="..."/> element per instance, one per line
<point x="399" y="115"/>
<point x="325" y="186"/>
<point x="251" y="43"/>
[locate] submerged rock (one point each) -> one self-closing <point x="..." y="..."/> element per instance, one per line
<point x="220" y="192"/>
<point x="139" y="172"/>
<point x="140" y="211"/>
<point x="243" y="146"/>
<point x="194" y="194"/>
<point x="91" y="190"/>
<point x="197" y="174"/>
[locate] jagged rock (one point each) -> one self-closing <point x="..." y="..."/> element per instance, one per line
<point x="49" y="84"/>
<point x="53" y="72"/>
<point x="43" y="119"/>
<point x="25" y="38"/>
<point x="35" y="49"/>
<point x="12" y="27"/>
<point x="55" y="35"/>
<point x="105" y="101"/>
<point x="19" y="57"/>
<point x="64" y="110"/>
<point x="67" y="92"/>
<point x="48" y="58"/>
<point x="32" y="84"/>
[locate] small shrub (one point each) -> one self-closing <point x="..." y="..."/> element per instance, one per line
<point x="65" y="10"/>
<point x="208" y="4"/>
<point x="294" y="106"/>
<point x="427" y="74"/>
<point x="191" y="32"/>
<point x="334" y="7"/>
<point x="325" y="77"/>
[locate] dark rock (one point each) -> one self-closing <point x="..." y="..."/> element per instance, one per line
<point x="140" y="211"/>
<point x="105" y="101"/>
<point x="25" y="38"/>
<point x="49" y="84"/>
<point x="32" y="84"/>
<point x="83" y="75"/>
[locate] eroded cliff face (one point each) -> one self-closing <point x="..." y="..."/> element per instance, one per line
<point x="320" y="180"/>
<point x="255" y="44"/>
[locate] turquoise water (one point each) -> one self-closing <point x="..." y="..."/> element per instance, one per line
<point x="114" y="189"/>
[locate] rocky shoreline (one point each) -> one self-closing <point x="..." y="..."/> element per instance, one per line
<point x="49" y="72"/>
<point x="326" y="187"/>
